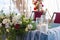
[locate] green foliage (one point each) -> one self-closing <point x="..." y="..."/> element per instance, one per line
<point x="11" y="35"/>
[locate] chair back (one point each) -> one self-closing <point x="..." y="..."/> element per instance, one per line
<point x="37" y="14"/>
<point x="57" y="17"/>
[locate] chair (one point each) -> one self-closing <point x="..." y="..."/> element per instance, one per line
<point x="37" y="14"/>
<point x="57" y="17"/>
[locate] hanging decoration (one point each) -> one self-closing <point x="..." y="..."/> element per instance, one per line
<point x="38" y="5"/>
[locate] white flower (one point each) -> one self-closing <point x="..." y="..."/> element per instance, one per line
<point x="30" y="26"/>
<point x="0" y="25"/>
<point x="20" y="22"/>
<point x="7" y="30"/>
<point x="14" y="19"/>
<point x="26" y="29"/>
<point x="32" y="21"/>
<point x="7" y="25"/>
<point x="6" y="21"/>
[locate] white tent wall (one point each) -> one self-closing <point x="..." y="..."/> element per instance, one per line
<point x="52" y="6"/>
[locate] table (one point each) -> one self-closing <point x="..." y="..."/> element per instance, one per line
<point x="36" y="35"/>
<point x="32" y="35"/>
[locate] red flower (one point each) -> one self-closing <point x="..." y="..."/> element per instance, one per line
<point x="17" y="26"/>
<point x="35" y="3"/>
<point x="35" y="8"/>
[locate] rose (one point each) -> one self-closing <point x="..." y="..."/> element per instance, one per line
<point x="7" y="25"/>
<point x="29" y="26"/>
<point x="15" y="19"/>
<point x="17" y="26"/>
<point x="5" y="21"/>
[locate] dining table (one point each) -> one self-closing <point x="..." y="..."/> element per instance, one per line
<point x="36" y="35"/>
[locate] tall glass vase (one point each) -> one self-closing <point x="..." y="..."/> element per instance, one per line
<point x="42" y="24"/>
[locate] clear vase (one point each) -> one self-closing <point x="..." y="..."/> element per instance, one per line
<point x="42" y="24"/>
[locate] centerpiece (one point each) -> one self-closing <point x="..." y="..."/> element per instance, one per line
<point x="14" y="26"/>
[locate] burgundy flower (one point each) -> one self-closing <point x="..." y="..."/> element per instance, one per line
<point x="42" y="5"/>
<point x="17" y="26"/>
<point x="35" y="8"/>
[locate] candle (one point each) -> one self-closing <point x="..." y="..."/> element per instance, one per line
<point x="44" y="28"/>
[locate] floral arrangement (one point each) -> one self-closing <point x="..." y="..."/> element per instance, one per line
<point x="38" y="5"/>
<point x="14" y="24"/>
